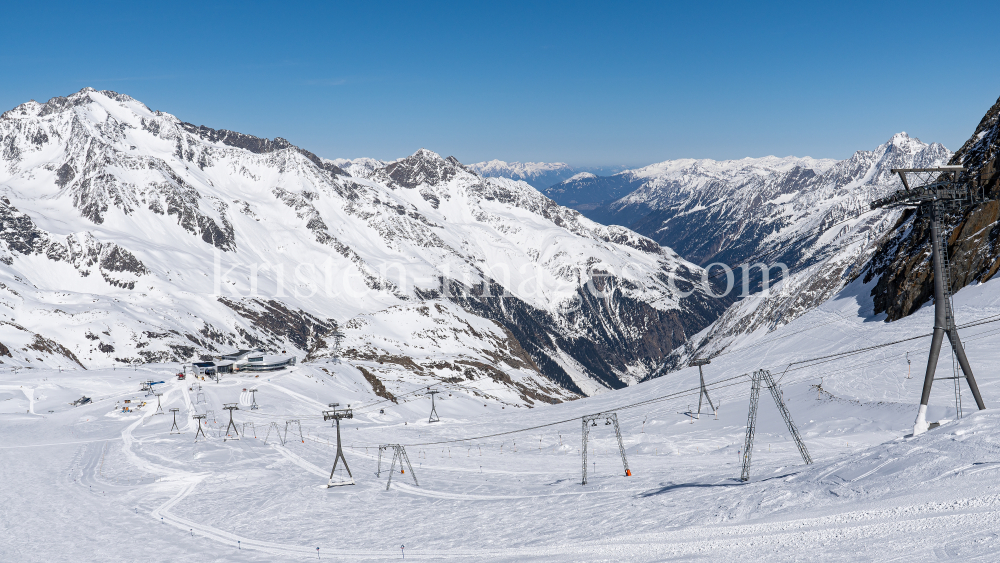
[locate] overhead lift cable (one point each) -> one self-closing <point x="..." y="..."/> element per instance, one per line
<point x="809" y="362"/>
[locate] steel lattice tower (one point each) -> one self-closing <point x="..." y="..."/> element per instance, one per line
<point x="609" y="419"/>
<point x="434" y="413"/>
<point x="398" y="452"/>
<point x="765" y="377"/>
<point x="942" y="189"/>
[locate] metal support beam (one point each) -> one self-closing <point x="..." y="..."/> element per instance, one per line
<point x="398" y="453"/>
<point x="939" y="187"/>
<point x="787" y="416"/>
<point x="199" y="419"/>
<point x="298" y="425"/>
<point x="751" y="426"/>
<point x="173" y="427"/>
<point x="944" y="323"/>
<point x="231" y="407"/>
<point x="703" y="392"/>
<point x="277" y="432"/>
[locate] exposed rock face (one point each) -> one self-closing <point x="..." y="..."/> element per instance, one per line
<point x="902" y="263"/>
<point x="19" y="235"/>
<point x="615" y="338"/>
<point x="272" y="317"/>
<point x="233" y="139"/>
<point x="889" y="250"/>
<point x="18" y="232"/>
<point x="422" y="167"/>
<point x="439" y="339"/>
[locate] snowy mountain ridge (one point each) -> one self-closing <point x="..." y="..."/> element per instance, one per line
<point x="208" y="240"/>
<point x="543" y="175"/>
<point x="359" y="167"/>
<point x="904" y="276"/>
<point x="528" y="171"/>
<point x="819" y="225"/>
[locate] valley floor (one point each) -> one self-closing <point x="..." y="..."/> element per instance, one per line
<point x="91" y="483"/>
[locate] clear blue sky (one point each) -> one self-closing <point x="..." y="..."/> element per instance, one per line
<point x="589" y="83"/>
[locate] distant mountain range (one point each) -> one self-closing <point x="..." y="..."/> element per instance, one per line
<point x="837" y="246"/>
<point x="735" y="210"/>
<point x="812" y="216"/>
<point x="540" y="175"/>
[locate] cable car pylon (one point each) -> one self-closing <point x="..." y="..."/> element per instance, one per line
<point x="199" y="419"/>
<point x="336" y="415"/>
<point x="173" y="427"/>
<point x="609" y="419"/>
<point x="942" y="188"/>
<point x="231" y="407"/>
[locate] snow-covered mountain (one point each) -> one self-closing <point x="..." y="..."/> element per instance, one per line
<point x="129" y="235"/>
<point x="816" y="221"/>
<point x="545" y="176"/>
<point x="359" y="167"/>
<point x="588" y="192"/>
<point x="494" y="483"/>
<point x="539" y="174"/>
<point x="888" y="248"/>
<point x="726" y="211"/>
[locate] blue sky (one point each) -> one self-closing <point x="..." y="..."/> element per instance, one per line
<point x="588" y="83"/>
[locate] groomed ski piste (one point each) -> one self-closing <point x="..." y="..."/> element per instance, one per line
<point x="91" y="483"/>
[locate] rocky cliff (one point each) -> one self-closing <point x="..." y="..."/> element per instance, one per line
<point x="902" y="263"/>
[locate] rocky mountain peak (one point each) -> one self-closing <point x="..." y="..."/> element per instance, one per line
<point x="980" y="153"/>
<point x="240" y="140"/>
<point x="424" y="167"/>
<point x="901" y="265"/>
<point x="903" y="143"/>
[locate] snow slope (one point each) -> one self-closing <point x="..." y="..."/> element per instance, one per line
<point x="81" y="482"/>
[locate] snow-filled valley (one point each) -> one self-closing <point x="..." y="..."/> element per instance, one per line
<point x="133" y="244"/>
<point x="496" y="481"/>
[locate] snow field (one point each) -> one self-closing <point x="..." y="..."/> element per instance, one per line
<point x="85" y="481"/>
